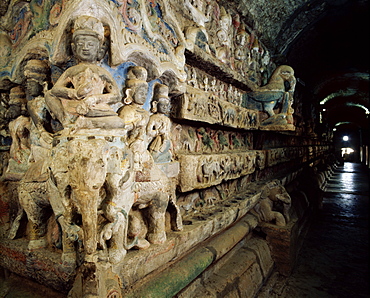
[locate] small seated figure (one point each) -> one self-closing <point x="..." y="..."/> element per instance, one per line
<point x="242" y="40"/>
<point x="134" y="117"/>
<point x="83" y="95"/>
<point x="158" y="129"/>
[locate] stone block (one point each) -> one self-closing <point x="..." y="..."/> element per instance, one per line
<point x="284" y="243"/>
<point x="202" y="171"/>
<point x="190" y="291"/>
<point x="262" y="251"/>
<point x="250" y="281"/>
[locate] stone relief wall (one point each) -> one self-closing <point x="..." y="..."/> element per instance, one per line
<point x="112" y="137"/>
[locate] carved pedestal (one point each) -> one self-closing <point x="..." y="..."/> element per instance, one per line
<point x="285" y="243"/>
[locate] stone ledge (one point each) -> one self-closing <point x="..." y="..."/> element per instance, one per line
<point x="44" y="268"/>
<point x="242" y="274"/>
<point x="285" y="242"/>
<point x="44" y="265"/>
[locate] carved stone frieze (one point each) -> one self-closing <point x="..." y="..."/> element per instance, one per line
<point x="202" y="171"/>
<point x="218" y="35"/>
<point x="281" y="155"/>
<point x="188" y="140"/>
<point x="111" y="131"/>
<point x="197" y="105"/>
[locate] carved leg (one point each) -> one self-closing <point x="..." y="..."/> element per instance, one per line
<point x="285" y="103"/>
<point x="16" y="223"/>
<point x="176" y="218"/>
<point x="117" y="250"/>
<point x="280" y="220"/>
<point x="118" y="204"/>
<point x="156" y="218"/>
<point x="69" y="236"/>
<point x="269" y="108"/>
<point x="60" y="201"/>
<point x="54" y="104"/>
<point x="31" y="198"/>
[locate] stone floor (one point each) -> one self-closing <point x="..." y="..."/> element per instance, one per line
<point x="334" y="259"/>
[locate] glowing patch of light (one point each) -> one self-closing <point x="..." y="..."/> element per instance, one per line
<point x="347" y="151"/>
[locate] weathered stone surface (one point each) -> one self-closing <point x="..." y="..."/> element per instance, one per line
<point x="240" y="275"/>
<point x="284" y="243"/>
<point x="99" y="163"/>
<point x="44" y="268"/>
<point x="202" y="171"/>
<point x="250" y="281"/>
<point x="206" y="107"/>
<point x="263" y="253"/>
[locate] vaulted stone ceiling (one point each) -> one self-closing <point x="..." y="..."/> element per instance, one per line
<point x="327" y="44"/>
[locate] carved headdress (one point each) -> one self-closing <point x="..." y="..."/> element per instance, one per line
<point x="88" y="25"/>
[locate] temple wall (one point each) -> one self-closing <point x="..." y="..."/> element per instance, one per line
<point x="150" y="147"/>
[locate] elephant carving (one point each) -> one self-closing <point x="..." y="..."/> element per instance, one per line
<point x="95" y="178"/>
<point x="87" y="184"/>
<point x="155" y="195"/>
<point x="211" y="170"/>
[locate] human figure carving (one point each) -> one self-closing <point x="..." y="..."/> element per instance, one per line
<point x="159" y="125"/>
<point x="242" y="40"/>
<point x="223" y="35"/>
<point x="79" y="168"/>
<point x="19" y="150"/>
<point x="153" y="189"/>
<point x="83" y="95"/>
<point x="134" y="116"/>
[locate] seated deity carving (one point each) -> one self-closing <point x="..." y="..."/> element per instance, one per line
<point x="88" y="175"/>
<point x="73" y="177"/>
<point x="83" y="94"/>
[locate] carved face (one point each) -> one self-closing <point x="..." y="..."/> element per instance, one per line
<point x="222" y="36"/>
<point x="140" y="92"/>
<point x="86" y="48"/>
<point x="286" y="72"/>
<point x="163" y="106"/>
<point x="33" y="87"/>
<point x="241" y="39"/>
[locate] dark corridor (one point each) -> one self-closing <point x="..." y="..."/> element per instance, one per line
<point x="334" y="259"/>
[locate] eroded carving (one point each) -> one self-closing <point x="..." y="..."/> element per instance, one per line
<point x="207" y="170"/>
<point x="268" y="97"/>
<point x="267" y="208"/>
<point x="83" y="95"/>
<point x="159" y="125"/>
<point x="206" y="107"/>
